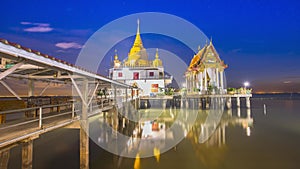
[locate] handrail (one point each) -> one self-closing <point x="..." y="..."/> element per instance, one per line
<point x="32" y="108"/>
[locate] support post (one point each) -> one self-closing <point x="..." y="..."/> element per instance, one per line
<point x="201" y="81"/>
<point x="248" y="102"/>
<point x="248" y="113"/>
<point x="238" y="102"/>
<point x="30" y="88"/>
<point x="73" y="110"/>
<point x="84" y="147"/>
<point x="223" y="134"/>
<point x="221" y="80"/>
<point x="205" y="80"/>
<point x="27" y="151"/>
<point x="228" y="103"/>
<point x="4" y="158"/>
<point x="219" y="136"/>
<point x="84" y="128"/>
<point x="115" y="96"/>
<point x="217" y="78"/>
<point x="40" y="117"/>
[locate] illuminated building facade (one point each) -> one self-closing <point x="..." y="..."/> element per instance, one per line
<point x="137" y="70"/>
<point x="206" y="72"/>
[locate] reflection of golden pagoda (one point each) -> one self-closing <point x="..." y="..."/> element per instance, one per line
<point x="205" y="70"/>
<point x="138" y="69"/>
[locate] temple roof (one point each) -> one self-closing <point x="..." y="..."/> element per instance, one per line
<point x="206" y="57"/>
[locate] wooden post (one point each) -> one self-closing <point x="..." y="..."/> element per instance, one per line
<point x="4" y="158"/>
<point x="2" y="118"/>
<point x="58" y="107"/>
<point x="27" y="151"/>
<point x="51" y="103"/>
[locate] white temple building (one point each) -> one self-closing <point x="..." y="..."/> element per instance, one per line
<point x="137" y="70"/>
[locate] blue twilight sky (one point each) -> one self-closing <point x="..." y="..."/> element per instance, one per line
<point x="259" y="40"/>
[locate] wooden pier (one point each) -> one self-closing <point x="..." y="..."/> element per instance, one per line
<point x="204" y="100"/>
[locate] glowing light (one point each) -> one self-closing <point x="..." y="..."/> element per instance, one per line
<point x="248" y="131"/>
<point x="246" y="84"/>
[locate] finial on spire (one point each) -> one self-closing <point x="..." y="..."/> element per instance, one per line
<point x="156" y="54"/>
<point x="199" y="47"/>
<point x="116" y="55"/>
<point x="138" y="26"/>
<point x="210" y="40"/>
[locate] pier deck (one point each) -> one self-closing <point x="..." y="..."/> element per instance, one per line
<point x="15" y="131"/>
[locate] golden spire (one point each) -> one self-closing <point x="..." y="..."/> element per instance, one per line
<point x="117" y="63"/>
<point x="157" y="62"/>
<point x="116" y="55"/>
<point x="156" y="54"/>
<point x="138" y="27"/>
<point x="138" y="40"/>
<point x="137" y="55"/>
<point x="210" y="43"/>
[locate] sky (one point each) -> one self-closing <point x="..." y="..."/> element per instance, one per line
<point x="259" y="40"/>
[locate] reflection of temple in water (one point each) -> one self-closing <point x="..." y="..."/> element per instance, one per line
<point x="218" y="137"/>
<point x="107" y="127"/>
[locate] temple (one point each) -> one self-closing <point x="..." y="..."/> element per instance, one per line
<point x="137" y="70"/>
<point x="205" y="74"/>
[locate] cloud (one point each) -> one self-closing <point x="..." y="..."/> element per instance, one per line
<point x="37" y="27"/>
<point x="68" y="45"/>
<point x="26" y="23"/>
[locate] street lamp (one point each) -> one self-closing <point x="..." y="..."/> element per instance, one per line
<point x="246" y="84"/>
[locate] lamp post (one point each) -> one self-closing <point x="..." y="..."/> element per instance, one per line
<point x="246" y="84"/>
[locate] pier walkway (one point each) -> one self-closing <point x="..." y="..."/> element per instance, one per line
<point x="27" y="73"/>
<point x="45" y="121"/>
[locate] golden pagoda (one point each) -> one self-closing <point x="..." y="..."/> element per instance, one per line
<point x="138" y="71"/>
<point x="138" y="54"/>
<point x="117" y="62"/>
<point x="157" y="62"/>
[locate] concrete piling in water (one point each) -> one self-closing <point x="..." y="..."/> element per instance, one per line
<point x="228" y="103"/>
<point x="248" y="102"/>
<point x="238" y="102"/>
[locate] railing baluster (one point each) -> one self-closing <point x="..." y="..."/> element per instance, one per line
<point x="73" y="110"/>
<point x="40" y="117"/>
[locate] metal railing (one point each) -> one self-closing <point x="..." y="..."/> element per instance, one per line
<point x="68" y="107"/>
